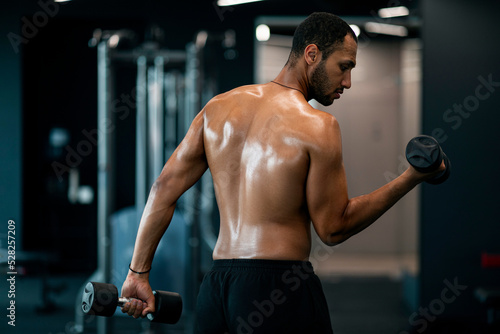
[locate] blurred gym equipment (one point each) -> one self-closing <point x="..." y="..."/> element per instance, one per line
<point x="171" y="87"/>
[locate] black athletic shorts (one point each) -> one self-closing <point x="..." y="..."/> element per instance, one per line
<point x="243" y="296"/>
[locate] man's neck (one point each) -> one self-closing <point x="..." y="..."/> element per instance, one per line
<point x="295" y="78"/>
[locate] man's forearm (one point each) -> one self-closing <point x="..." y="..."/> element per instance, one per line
<point x="155" y="219"/>
<point x="364" y="210"/>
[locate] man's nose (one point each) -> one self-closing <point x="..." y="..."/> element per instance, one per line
<point x="346" y="82"/>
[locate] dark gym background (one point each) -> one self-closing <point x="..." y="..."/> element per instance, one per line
<point x="50" y="82"/>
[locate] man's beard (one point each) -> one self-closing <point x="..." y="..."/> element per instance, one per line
<point x="319" y="85"/>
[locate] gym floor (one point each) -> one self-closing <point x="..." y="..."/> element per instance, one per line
<point x="370" y="305"/>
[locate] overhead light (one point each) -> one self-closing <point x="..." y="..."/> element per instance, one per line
<point x="223" y="3"/>
<point x="393" y="12"/>
<point x="201" y="39"/>
<point x="356" y="29"/>
<point x="386" y="29"/>
<point x="262" y="33"/>
<point x="61" y="0"/>
<point x="113" y="41"/>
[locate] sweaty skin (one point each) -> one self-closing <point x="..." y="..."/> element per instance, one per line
<point x="257" y="141"/>
<point x="277" y="167"/>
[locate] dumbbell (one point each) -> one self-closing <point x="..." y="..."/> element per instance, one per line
<point x="425" y="154"/>
<point x="102" y="299"/>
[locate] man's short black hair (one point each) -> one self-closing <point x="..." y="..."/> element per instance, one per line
<point x="325" y="30"/>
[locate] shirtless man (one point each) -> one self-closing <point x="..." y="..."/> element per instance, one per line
<point x="277" y="167"/>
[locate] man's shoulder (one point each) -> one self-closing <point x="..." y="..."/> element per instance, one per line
<point x="321" y="120"/>
<point x="241" y="90"/>
<point x="323" y="130"/>
<point x="232" y="97"/>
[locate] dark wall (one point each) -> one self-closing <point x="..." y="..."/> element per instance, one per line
<point x="460" y="218"/>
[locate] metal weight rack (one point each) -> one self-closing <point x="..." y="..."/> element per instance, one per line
<point x="172" y="86"/>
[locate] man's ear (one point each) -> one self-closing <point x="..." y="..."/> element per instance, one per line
<point x="312" y="54"/>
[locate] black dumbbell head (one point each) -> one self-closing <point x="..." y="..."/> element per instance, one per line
<point x="424" y="153"/>
<point x="168" y="307"/>
<point x="100" y="299"/>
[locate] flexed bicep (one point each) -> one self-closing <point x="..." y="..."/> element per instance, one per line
<point x="335" y="216"/>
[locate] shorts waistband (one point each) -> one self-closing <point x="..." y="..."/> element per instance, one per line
<point x="260" y="264"/>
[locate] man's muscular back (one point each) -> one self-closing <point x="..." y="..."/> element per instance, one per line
<point x="257" y="143"/>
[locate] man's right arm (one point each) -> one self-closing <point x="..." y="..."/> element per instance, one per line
<point x="186" y="165"/>
<point x="335" y="217"/>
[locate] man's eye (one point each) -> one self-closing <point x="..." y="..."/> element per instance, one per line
<point x="343" y="67"/>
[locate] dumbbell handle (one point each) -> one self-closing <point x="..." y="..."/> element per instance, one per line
<point x="124" y="300"/>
